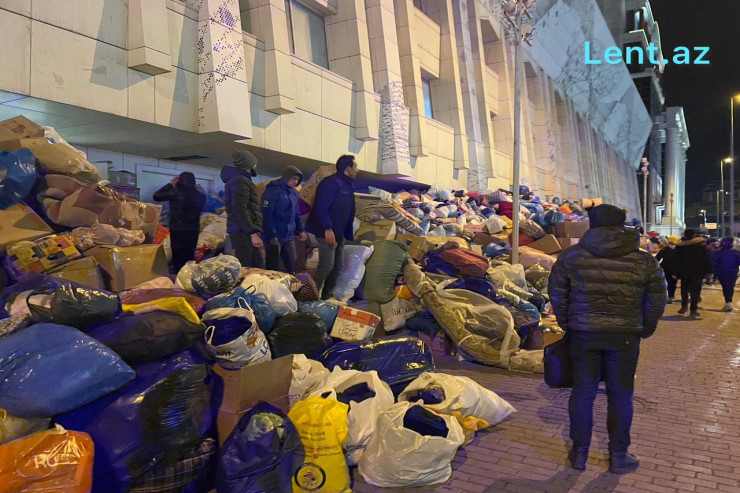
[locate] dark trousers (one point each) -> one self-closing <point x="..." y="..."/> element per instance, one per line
<point x="330" y="266"/>
<point x="183" y="247"/>
<point x="691" y="287"/>
<point x="285" y="251"/>
<point x="248" y="254"/>
<point x="672" y="283"/>
<point x="728" y="280"/>
<point x="613" y="359"/>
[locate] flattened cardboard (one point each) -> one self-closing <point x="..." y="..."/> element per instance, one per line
<point x="547" y="244"/>
<point x="19" y="127"/>
<point x="571" y="229"/>
<point x="83" y="271"/>
<point x="20" y="223"/>
<point x="127" y="267"/>
<point x="568" y="242"/>
<point x="385" y="229"/>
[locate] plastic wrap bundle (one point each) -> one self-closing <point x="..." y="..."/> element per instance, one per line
<point x="85" y="238"/>
<point x="298" y="333"/>
<point x="211" y="277"/>
<point x="152" y="421"/>
<point x="397" y="359"/>
<point x="49" y="369"/>
<point x="354" y="258"/>
<point x="17" y="176"/>
<point x="482" y="330"/>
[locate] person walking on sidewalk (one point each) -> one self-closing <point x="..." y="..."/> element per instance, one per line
<point x="667" y="258"/>
<point x="331" y="220"/>
<point x="282" y="222"/>
<point x="692" y="258"/>
<point x="244" y="221"/>
<point x="186" y="204"/>
<point x="607" y="294"/>
<point x="726" y="264"/>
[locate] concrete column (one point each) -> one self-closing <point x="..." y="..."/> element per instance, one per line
<point x="148" y="37"/>
<point x="271" y="25"/>
<point x="672" y="155"/>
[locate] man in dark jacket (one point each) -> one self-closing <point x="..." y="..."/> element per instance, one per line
<point x="726" y="264"/>
<point x="186" y="204"/>
<point x="667" y="258"/>
<point x="331" y="221"/>
<point x="606" y="294"/>
<point x="693" y="264"/>
<point x="282" y="222"/>
<point x="244" y="221"/>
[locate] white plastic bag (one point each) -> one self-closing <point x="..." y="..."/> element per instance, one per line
<point x="280" y="297"/>
<point x="495" y="225"/>
<point x="528" y="361"/>
<point x="353" y="258"/>
<point x="396" y="456"/>
<point x="307" y="375"/>
<point x="462" y="395"/>
<point x="396" y="312"/>
<point x="513" y="273"/>
<point x="362" y="416"/>
<point x="249" y="348"/>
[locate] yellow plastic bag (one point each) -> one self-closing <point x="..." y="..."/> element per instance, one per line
<point x="12" y="427"/>
<point x="53" y="460"/>
<point x="322" y="426"/>
<point x="177" y="305"/>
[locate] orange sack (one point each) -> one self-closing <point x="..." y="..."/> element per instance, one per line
<point x="52" y="460"/>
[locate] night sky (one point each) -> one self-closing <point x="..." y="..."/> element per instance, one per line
<point x="703" y="90"/>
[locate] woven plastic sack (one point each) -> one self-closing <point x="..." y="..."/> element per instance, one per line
<point x="12" y="427"/>
<point x="353" y="258"/>
<point x="531" y="228"/>
<point x="211" y="277"/>
<point x="17" y="176"/>
<point x="247" y="297"/>
<point x="384" y="266"/>
<point x="280" y="298"/>
<point x="49" y="369"/>
<point x="232" y="337"/>
<point x="56" y="460"/>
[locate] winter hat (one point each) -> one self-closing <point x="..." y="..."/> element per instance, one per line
<point x="244" y="161"/>
<point x="673" y="240"/>
<point x="689" y="234"/>
<point x="606" y="215"/>
<point x="292" y="171"/>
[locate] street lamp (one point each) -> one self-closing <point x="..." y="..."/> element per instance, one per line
<point x="514" y="11"/>
<point x="671" y="213"/>
<point x="732" y="168"/>
<point x="644" y="170"/>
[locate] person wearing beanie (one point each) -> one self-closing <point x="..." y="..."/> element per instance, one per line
<point x="282" y="222"/>
<point x="186" y="205"/>
<point x="694" y="262"/>
<point x="331" y="220"/>
<point x="726" y="264"/>
<point x="668" y="262"/>
<point x="607" y="294"/>
<point x="244" y="213"/>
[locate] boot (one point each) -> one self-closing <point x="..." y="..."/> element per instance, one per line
<point x="728" y="307"/>
<point x="578" y="456"/>
<point x="694" y="313"/>
<point x="670" y="301"/>
<point x="683" y="309"/>
<point x="623" y="462"/>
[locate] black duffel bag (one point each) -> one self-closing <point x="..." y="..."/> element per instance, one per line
<point x="558" y="366"/>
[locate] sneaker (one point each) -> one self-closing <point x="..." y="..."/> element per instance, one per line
<point x="622" y="462"/>
<point x="694" y="313"/>
<point x="578" y="456"/>
<point x="683" y="310"/>
<point x="728" y="307"/>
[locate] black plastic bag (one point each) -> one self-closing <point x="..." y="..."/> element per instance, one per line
<point x="298" y="333"/>
<point x="424" y="422"/>
<point x="397" y="359"/>
<point x="194" y="473"/>
<point x="261" y="454"/>
<point x="148" y="336"/>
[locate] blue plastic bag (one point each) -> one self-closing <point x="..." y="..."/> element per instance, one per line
<point x="152" y="421"/>
<point x="50" y="369"/>
<point x="398" y="360"/>
<point x="17" y="176"/>
<point x="263" y="311"/>
<point x="325" y="309"/>
<point x="261" y="454"/>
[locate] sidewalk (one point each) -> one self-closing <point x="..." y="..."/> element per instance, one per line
<point x="686" y="429"/>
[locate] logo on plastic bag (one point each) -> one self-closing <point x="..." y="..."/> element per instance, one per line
<point x="310" y="477"/>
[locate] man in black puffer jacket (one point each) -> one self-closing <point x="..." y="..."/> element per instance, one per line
<point x="694" y="262"/>
<point x="607" y="294"/>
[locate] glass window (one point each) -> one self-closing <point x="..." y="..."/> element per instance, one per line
<point x="308" y="33"/>
<point x="427" y="88"/>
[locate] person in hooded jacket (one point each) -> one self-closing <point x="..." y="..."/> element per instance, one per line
<point x="726" y="264"/>
<point x="244" y="221"/>
<point x="281" y="220"/>
<point x="667" y="258"/>
<point x="186" y="205"/>
<point x="331" y="220"/>
<point x="607" y="294"/>
<point x="693" y="264"/>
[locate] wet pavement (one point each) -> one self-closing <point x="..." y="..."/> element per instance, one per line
<point x="686" y="429"/>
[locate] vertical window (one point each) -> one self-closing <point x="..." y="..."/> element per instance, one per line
<point x="307" y="33"/>
<point x="426" y="86"/>
<point x="246" y="21"/>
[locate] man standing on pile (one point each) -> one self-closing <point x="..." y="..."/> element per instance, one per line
<point x="607" y="294"/>
<point x="281" y="219"/>
<point x="331" y="221"/>
<point x="186" y="204"/>
<point x="694" y="263"/>
<point x="244" y="221"/>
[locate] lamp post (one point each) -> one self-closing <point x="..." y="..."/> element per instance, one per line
<point x="732" y="168"/>
<point x="513" y="12"/>
<point x="671" y="213"/>
<point x="722" y="163"/>
<point x="718" y="218"/>
<point x="645" y="173"/>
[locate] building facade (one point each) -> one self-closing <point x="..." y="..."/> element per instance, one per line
<point x="422" y="88"/>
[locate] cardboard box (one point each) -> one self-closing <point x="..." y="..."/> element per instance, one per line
<point x="365" y="199"/>
<point x="477" y="249"/>
<point x="83" y="271"/>
<point x="570" y="229"/>
<point x="354" y="325"/>
<point x="126" y="267"/>
<point x="20" y="223"/>
<point x="437" y="241"/>
<point x="568" y="242"/>
<point x="43" y="254"/>
<point x="484" y="239"/>
<point x="417" y="245"/>
<point x="19" y="127"/>
<point x="384" y="229"/>
<point x="268" y="381"/>
<point x="548" y="244"/>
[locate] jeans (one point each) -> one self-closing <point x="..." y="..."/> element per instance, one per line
<point x="691" y="286"/>
<point x="613" y="359"/>
<point x="285" y="251"/>
<point x="672" y="283"/>
<point x="330" y="266"/>
<point x="183" y="247"/>
<point x="248" y="254"/>
<point x="728" y="280"/>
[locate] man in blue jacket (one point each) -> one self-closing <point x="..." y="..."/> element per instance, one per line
<point x="281" y="220"/>
<point x="331" y="221"/>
